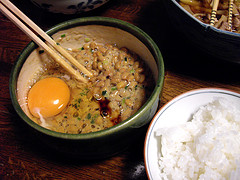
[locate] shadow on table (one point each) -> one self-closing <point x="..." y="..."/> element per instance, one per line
<point x="134" y="160"/>
<point x="29" y="145"/>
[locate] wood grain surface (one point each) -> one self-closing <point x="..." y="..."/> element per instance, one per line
<point x="22" y="156"/>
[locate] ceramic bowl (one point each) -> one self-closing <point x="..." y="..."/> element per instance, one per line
<point x="69" y="6"/>
<point x="178" y="111"/>
<point x="223" y="45"/>
<point x="112" y="140"/>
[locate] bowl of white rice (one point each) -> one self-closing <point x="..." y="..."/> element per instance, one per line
<point x="195" y="136"/>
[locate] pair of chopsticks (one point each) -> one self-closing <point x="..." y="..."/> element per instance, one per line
<point x="214" y="12"/>
<point x="8" y="9"/>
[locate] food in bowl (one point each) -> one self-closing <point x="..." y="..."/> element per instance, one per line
<point x="121" y="84"/>
<point x="206" y="147"/>
<point x="99" y="144"/>
<point x="202" y="9"/>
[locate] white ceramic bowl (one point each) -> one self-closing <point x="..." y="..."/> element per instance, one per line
<point x="178" y="111"/>
<point x="69" y="6"/>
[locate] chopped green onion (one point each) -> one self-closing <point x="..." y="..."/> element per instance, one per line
<point x="89" y="116"/>
<point x="114" y="88"/>
<point x="132" y="71"/>
<point x="84" y="92"/>
<point x="105" y="62"/>
<point x="63" y="35"/>
<point x="104" y="93"/>
<point x="87" y="39"/>
<point x="95" y="116"/>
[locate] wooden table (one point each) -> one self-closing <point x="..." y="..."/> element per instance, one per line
<point x="186" y="68"/>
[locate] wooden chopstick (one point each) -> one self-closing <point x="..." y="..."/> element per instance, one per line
<point x="230" y="11"/>
<point x="214" y="12"/>
<point x="37" y="40"/>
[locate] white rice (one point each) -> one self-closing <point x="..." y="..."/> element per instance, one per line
<point x="207" y="147"/>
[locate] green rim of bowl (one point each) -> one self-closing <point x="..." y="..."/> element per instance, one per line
<point x="142" y="36"/>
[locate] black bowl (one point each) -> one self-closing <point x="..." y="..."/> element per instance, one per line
<point x="220" y="44"/>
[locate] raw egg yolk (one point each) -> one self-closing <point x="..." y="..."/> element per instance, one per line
<point x="48" y="97"/>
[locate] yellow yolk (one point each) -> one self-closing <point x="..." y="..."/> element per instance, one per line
<point x="48" y="97"/>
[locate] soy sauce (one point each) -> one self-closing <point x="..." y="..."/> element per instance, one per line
<point x="105" y="111"/>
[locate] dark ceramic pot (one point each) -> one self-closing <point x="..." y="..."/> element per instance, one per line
<point x="220" y="44"/>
